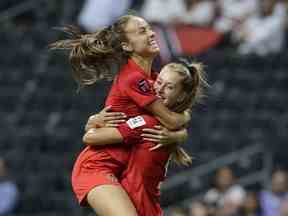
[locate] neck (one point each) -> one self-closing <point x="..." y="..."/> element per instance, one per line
<point x="144" y="63"/>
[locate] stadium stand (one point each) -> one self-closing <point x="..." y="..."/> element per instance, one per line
<point x="42" y="116"/>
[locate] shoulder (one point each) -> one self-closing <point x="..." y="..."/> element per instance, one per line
<point x="131" y="75"/>
<point x="136" y="81"/>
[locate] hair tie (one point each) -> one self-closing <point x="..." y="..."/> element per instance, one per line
<point x="188" y="64"/>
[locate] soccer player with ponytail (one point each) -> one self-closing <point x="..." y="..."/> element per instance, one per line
<point x="123" y="52"/>
<point x="180" y="86"/>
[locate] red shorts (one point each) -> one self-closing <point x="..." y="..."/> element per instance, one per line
<point x="92" y="168"/>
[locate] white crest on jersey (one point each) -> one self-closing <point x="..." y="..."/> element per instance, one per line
<point x="135" y="122"/>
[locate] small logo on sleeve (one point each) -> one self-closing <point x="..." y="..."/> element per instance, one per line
<point x="135" y="122"/>
<point x="144" y="86"/>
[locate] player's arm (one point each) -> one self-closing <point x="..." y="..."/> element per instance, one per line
<point x="101" y="128"/>
<point x="105" y="118"/>
<point x="140" y="91"/>
<point x="169" y="119"/>
<point x="110" y="131"/>
<point x="124" y="134"/>
<point x="102" y="136"/>
<point x="164" y="137"/>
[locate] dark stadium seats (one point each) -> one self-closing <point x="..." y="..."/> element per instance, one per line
<point x="42" y="116"/>
<point x="244" y="106"/>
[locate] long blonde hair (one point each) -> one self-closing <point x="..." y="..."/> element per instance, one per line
<point x="193" y="84"/>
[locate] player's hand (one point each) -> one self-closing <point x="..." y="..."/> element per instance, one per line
<point x="159" y="135"/>
<point x="105" y="118"/>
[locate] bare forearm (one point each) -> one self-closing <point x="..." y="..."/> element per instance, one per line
<point x="180" y="136"/>
<point x="105" y="118"/>
<point x="164" y="137"/>
<point x="172" y="121"/>
<point x="102" y="136"/>
<point x="169" y="119"/>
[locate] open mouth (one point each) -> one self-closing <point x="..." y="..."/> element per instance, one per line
<point x="153" y="43"/>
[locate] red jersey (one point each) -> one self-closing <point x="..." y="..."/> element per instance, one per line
<point x="131" y="91"/>
<point x="146" y="169"/>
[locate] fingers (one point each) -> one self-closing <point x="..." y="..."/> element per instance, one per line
<point x="119" y="121"/>
<point x="106" y="112"/>
<point x="152" y="136"/>
<point x="113" y="118"/>
<point x="111" y="125"/>
<point x="106" y="109"/>
<point x="92" y="117"/>
<point x="156" y="147"/>
<point x="115" y="114"/>
<point x="114" y="123"/>
<point x="151" y="140"/>
<point x="159" y="127"/>
<point x="88" y="127"/>
<point x="91" y="130"/>
<point x="152" y="131"/>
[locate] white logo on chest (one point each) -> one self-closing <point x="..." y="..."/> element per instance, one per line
<point x="136" y="122"/>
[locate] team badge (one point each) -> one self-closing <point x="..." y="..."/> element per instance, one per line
<point x="135" y="122"/>
<point x="144" y="86"/>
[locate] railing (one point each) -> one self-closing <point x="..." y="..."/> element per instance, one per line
<point x="194" y="175"/>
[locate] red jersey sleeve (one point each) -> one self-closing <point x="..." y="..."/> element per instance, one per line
<point x="139" y="89"/>
<point x="131" y="130"/>
<point x="129" y="135"/>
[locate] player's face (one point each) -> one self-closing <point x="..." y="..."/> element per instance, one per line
<point x="168" y="87"/>
<point x="141" y="38"/>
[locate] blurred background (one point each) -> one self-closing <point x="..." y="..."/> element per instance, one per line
<point x="238" y="137"/>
